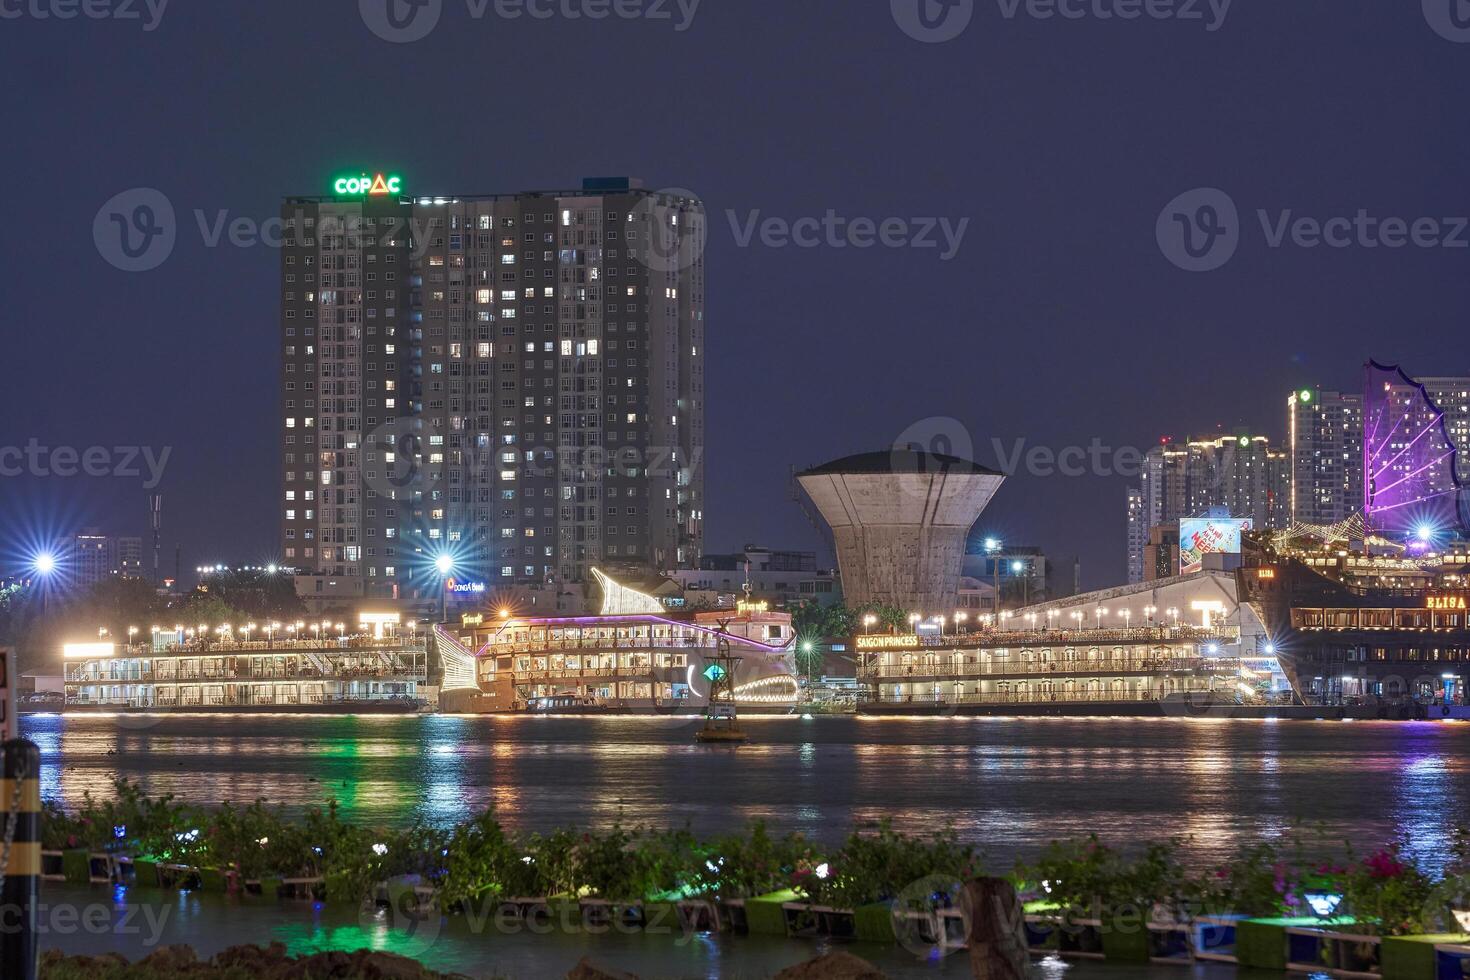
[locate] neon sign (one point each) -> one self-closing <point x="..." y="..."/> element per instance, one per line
<point x="464" y="588"/>
<point x="1446" y="602"/>
<point x="364" y="185"/>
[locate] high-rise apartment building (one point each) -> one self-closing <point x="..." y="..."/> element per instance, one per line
<point x="513" y="381"/>
<point x="95" y="557"/>
<point x="1137" y="534"/>
<point x="1325" y="440"/>
<point x="1241" y="473"/>
<point x="1452" y="397"/>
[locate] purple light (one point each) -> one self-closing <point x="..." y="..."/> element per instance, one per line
<point x="1410" y="481"/>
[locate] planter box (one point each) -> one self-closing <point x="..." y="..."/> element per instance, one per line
<point x="145" y="873"/>
<point x="51" y="866"/>
<point x="214" y="880"/>
<point x="1131" y="946"/>
<point x="874" y="923"/>
<point x="1425" y="957"/>
<point x="764" y="915"/>
<point x="1338" y="954"/>
<point x="1261" y="943"/>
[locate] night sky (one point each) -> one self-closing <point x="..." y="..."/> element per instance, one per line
<point x="1059" y="320"/>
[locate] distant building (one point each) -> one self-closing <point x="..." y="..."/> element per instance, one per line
<point x="514" y="380"/>
<point x="96" y="557"/>
<point x="1161" y="554"/>
<point x="1241" y="473"/>
<point x="1137" y="534"/>
<point x="1325" y="441"/>
<point x="785" y="577"/>
<point x="1021" y="574"/>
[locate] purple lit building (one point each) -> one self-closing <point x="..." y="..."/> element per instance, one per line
<point x="1411" y="483"/>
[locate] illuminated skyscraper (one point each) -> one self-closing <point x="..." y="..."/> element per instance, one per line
<point x="1325" y="440"/>
<point x="514" y="380"/>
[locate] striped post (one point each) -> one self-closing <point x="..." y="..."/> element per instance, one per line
<point x="20" y="828"/>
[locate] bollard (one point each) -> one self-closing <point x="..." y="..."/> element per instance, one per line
<point x="20" y="859"/>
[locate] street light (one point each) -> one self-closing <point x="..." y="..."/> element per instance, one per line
<point x="1099" y="612"/>
<point x="444" y="564"/>
<point x="1149" y="612"/>
<point x="868" y="621"/>
<point x="1173" y="614"/>
<point x="44" y="565"/>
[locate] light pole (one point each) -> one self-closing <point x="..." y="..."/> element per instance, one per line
<point x="1174" y="615"/>
<point x="1149" y="612"/>
<point x="1017" y="567"/>
<point x="1098" y="613"/>
<point x="959" y="618"/>
<point x="868" y="622"/>
<point x="44" y="566"/>
<point x="444" y="564"/>
<point x="992" y="548"/>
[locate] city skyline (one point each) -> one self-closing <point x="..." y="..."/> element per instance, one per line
<point x="1055" y="276"/>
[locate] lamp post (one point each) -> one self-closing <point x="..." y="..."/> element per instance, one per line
<point x="1174" y="615"/>
<point x="959" y="618"/>
<point x="1017" y="568"/>
<point x="1149" y="612"/>
<point x="992" y="548"/>
<point x="44" y="565"/>
<point x="1098" y="613"/>
<point x="868" y="622"/>
<point x="444" y="564"/>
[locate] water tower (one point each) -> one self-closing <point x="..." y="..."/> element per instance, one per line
<point x="899" y="520"/>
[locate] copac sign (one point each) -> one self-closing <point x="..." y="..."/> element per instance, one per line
<point x="363" y="185"/>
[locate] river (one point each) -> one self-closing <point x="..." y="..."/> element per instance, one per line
<point x="1008" y="785"/>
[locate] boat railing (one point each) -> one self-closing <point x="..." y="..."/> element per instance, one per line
<point x="1150" y="665"/>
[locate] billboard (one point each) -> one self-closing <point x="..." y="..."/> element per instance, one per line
<point x="1200" y="536"/>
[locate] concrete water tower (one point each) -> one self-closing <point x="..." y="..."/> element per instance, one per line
<point x="899" y="520"/>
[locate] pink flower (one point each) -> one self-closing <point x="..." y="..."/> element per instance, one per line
<point x="1385" y="864"/>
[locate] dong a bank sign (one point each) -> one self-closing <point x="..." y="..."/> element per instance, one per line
<point x="363" y="185"/>
<point x="461" y="587"/>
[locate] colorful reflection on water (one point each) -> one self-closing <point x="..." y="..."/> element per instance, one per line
<point x="1010" y="785"/>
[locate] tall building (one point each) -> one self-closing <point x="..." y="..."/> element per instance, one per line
<point x="1325" y="440"/>
<point x="1137" y="534"/>
<point x="1242" y="473"/>
<point x="96" y="557"/>
<point x="1452" y="396"/>
<point x="1413" y="431"/>
<point x="515" y="381"/>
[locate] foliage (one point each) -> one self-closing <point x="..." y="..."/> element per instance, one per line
<point x="479" y="860"/>
<point x="874" y="867"/>
<point x="1390" y="896"/>
<point x="811" y="618"/>
<point x="753" y="863"/>
<point x="1089" y="879"/>
<point x="1269" y="879"/>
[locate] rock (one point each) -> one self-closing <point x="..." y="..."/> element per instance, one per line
<point x="171" y="960"/>
<point x="587" y="970"/>
<point x="833" y="966"/>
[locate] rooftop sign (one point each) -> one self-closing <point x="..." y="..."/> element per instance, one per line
<point x="364" y="186"/>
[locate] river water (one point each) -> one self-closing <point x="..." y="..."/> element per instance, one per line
<point x="1009" y="785"/>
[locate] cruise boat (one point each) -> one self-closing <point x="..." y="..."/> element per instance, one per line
<point x="1132" y="670"/>
<point x="378" y="668"/>
<point x="1387" y="635"/>
<point x="633" y="657"/>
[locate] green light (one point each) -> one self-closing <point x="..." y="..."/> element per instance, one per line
<point x="361" y="185"/>
<point x="1305" y="395"/>
<point x="1245" y="440"/>
<point x="714" y="672"/>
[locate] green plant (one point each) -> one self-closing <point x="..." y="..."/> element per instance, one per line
<point x="878" y="866"/>
<point x="1390" y="896"/>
